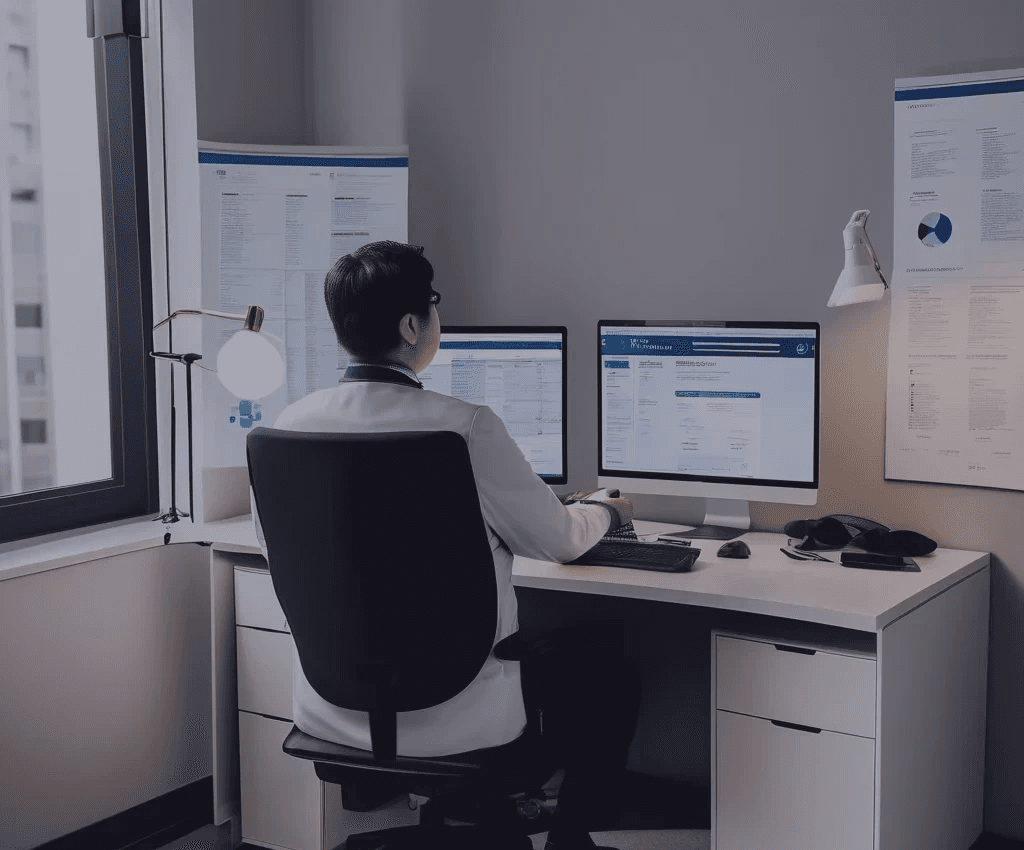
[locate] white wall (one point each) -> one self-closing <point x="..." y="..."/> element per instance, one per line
<point x="354" y="70"/>
<point x="106" y="702"/>
<point x="251" y="72"/>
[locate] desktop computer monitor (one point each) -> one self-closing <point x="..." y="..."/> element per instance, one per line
<point x="727" y="410"/>
<point x="520" y="373"/>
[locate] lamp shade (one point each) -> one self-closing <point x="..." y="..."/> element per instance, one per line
<point x="861" y="278"/>
<point x="249" y="365"/>
<point x="856" y="285"/>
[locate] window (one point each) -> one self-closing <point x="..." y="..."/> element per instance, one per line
<point x="77" y="398"/>
<point x="31" y="374"/>
<point x="33" y="431"/>
<point x="28" y="315"/>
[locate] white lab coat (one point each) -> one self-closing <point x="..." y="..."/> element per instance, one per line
<point x="523" y="516"/>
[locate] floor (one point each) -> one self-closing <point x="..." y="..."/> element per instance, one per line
<point x="216" y="838"/>
<point x="656" y="814"/>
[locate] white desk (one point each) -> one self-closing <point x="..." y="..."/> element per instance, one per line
<point x="926" y="633"/>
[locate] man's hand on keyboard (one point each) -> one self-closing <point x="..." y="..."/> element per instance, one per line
<point x="622" y="509"/>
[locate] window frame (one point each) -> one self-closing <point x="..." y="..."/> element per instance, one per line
<point x="133" y="488"/>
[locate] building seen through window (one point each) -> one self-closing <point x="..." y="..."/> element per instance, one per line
<point x="54" y="402"/>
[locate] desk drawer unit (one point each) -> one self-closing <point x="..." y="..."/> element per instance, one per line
<point x="780" y="788"/>
<point x="794" y="748"/>
<point x="265" y="672"/>
<point x="284" y="804"/>
<point x="797" y="684"/>
<point x="255" y="601"/>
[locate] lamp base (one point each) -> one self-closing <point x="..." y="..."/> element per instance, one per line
<point x="173" y="515"/>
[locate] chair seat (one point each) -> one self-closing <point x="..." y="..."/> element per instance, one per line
<point x="507" y="764"/>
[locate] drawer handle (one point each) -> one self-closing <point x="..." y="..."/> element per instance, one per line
<point x="812" y="729"/>
<point x="800" y="650"/>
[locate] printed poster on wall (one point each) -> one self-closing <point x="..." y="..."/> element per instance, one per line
<point x="955" y="400"/>
<point x="273" y="222"/>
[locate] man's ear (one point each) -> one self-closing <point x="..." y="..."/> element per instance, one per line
<point x="408" y="327"/>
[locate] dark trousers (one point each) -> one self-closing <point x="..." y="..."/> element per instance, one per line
<point x="582" y="698"/>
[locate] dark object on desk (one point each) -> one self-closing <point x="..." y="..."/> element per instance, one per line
<point x="374" y="627"/>
<point x="707" y="532"/>
<point x="661" y="557"/>
<point x="897" y="543"/>
<point x="734" y="549"/>
<point x="868" y="561"/>
<point x="804" y="555"/>
<point x="714" y="532"/>
<point x="838" y="531"/>
<point x="830" y="532"/>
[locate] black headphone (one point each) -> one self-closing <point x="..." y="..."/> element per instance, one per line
<point x="833" y="532"/>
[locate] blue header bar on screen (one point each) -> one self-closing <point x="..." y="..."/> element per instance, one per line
<point x="713" y="394"/>
<point x="706" y="346"/>
<point x="504" y="344"/>
<point x="216" y="158"/>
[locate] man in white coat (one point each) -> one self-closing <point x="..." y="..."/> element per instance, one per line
<point x="384" y="310"/>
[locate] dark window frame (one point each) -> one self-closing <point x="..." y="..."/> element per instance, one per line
<point x="133" y="489"/>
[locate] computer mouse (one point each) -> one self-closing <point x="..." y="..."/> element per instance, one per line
<point x="734" y="549"/>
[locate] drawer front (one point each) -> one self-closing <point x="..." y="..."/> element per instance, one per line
<point x="265" y="672"/>
<point x="778" y="788"/>
<point x="256" y="603"/>
<point x="824" y="689"/>
<point x="281" y="803"/>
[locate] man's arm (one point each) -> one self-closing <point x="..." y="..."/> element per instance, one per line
<point x="519" y="506"/>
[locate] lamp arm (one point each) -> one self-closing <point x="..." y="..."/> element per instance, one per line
<point x="187" y="359"/>
<point x="252" y="317"/>
<point x="874" y="259"/>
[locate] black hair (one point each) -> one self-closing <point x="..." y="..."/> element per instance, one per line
<point x="368" y="291"/>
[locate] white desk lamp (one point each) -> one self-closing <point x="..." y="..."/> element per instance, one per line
<point x="861" y="278"/>
<point x="248" y="365"/>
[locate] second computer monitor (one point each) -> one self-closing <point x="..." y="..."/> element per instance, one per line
<point x="520" y="373"/>
<point x="727" y="410"/>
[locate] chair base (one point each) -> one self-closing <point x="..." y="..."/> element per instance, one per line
<point x="437" y="838"/>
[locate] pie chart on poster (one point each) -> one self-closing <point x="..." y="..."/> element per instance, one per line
<point x="935" y="229"/>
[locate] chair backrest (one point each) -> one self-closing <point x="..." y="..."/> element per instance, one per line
<point x="379" y="556"/>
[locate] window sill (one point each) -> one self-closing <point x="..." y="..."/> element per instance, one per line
<point x="50" y="552"/>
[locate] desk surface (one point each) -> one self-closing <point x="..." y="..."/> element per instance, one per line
<point x="767" y="583"/>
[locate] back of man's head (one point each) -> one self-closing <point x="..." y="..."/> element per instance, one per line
<point x="368" y="291"/>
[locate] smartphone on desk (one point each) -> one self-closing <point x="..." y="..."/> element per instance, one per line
<point x="871" y="561"/>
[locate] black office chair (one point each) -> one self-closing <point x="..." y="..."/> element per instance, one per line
<point x="379" y="556"/>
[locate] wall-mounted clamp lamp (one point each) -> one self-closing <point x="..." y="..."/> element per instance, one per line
<point x="248" y="365"/>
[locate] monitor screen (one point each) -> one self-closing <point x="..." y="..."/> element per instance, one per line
<point x="722" y="409"/>
<point x="520" y="373"/>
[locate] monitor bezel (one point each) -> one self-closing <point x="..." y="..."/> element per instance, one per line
<point x="714" y="482"/>
<point x="535" y="329"/>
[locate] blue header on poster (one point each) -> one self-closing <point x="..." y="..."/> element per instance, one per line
<point x="220" y="158"/>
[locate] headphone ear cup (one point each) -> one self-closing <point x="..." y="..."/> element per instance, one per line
<point x="831" y="532"/>
<point x="798" y="528"/>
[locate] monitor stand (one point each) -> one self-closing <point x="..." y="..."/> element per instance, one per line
<point x="724" y="519"/>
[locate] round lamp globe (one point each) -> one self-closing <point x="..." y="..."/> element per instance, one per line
<point x="249" y="366"/>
